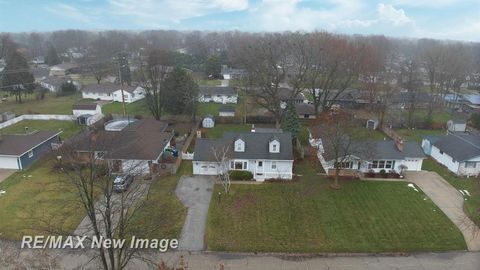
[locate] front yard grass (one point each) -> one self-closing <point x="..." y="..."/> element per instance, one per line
<point x="308" y="216"/>
<point x="472" y="185"/>
<point x="38" y="201"/>
<point x="69" y="128"/>
<point x="164" y="213"/>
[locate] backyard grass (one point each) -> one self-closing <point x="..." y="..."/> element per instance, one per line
<point x="165" y="213"/>
<point x="308" y="216"/>
<point x="219" y="129"/>
<point x="472" y="185"/>
<point x="69" y="128"/>
<point x="417" y="134"/>
<point x="38" y="201"/>
<point x="438" y="117"/>
<point x="49" y="105"/>
<point x="135" y="108"/>
<point x="210" y="108"/>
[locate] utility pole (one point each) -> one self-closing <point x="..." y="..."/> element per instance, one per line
<point x="120" y="66"/>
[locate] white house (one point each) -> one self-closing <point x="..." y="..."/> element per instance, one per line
<point x="113" y="92"/>
<point x="457" y="125"/>
<point x="54" y="83"/>
<point x="226" y="111"/>
<point x="218" y="94"/>
<point x="459" y="152"/>
<point x="265" y="155"/>
<point x="372" y="156"/>
<point x="82" y="109"/>
<point x="232" y="73"/>
<point x="208" y="122"/>
<point x="63" y="69"/>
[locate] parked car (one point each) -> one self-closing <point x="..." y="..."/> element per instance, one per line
<point x="122" y="182"/>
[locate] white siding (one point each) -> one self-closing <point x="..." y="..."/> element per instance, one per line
<point x="100" y="96"/>
<point x="98" y="110"/>
<point x="445" y="159"/>
<point x="208" y="122"/>
<point x="226" y="114"/>
<point x="223" y="99"/>
<point x="8" y="163"/>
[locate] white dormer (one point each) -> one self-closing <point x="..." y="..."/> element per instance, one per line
<point x="274" y="146"/>
<point x="239" y="145"/>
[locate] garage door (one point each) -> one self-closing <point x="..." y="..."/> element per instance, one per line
<point x="208" y="169"/>
<point x="9" y="163"/>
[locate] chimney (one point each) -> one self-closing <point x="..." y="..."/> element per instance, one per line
<point x="253" y="128"/>
<point x="399" y="144"/>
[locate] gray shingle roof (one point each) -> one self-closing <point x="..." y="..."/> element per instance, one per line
<point x="226" y="109"/>
<point x="217" y="90"/>
<point x="18" y="144"/>
<point x="92" y="106"/>
<point x="461" y="147"/>
<point x="387" y="150"/>
<point x="256" y="146"/>
<point x="107" y="88"/>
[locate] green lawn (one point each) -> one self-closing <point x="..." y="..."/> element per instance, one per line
<point x="219" y="129"/>
<point x="209" y="108"/>
<point x="165" y="214"/>
<point x="135" y="108"/>
<point x="417" y="134"/>
<point x="370" y="134"/>
<point x="439" y="116"/>
<point x="69" y="128"/>
<point x="49" y="105"/>
<point x="472" y="185"/>
<point x="308" y="216"/>
<point x="37" y="200"/>
<point x="206" y="82"/>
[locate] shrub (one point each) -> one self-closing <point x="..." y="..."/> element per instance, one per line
<point x="241" y="175"/>
<point x="383" y="173"/>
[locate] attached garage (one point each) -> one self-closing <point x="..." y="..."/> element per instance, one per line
<point x="205" y="168"/>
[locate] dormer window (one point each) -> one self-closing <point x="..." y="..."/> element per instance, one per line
<point x="274" y="146"/>
<point x="239" y="145"/>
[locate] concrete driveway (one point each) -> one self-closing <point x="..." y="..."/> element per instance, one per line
<point x="4" y="173"/>
<point x="195" y="193"/>
<point x="450" y="201"/>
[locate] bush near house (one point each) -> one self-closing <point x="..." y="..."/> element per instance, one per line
<point x="241" y="175"/>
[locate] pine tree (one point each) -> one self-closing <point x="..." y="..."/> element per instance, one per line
<point x="290" y="120"/>
<point x="52" y="58"/>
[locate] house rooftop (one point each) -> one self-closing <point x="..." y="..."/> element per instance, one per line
<point x="256" y="146"/>
<point x="87" y="107"/>
<point x="107" y="87"/>
<point x="226" y="109"/>
<point x="19" y="144"/>
<point x="217" y="90"/>
<point x="460" y="146"/>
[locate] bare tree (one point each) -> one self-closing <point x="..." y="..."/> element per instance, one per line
<point x="410" y="80"/>
<point x="109" y="215"/>
<point x="222" y="156"/>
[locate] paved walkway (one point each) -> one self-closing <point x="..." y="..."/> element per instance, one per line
<point x="195" y="193"/>
<point x="450" y="201"/>
<point x="5" y="173"/>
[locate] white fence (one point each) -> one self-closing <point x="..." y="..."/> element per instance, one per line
<point x="37" y="117"/>
<point x="187" y="156"/>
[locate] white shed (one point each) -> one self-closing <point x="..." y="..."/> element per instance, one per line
<point x="457" y="125"/>
<point x="208" y="122"/>
<point x="372" y="124"/>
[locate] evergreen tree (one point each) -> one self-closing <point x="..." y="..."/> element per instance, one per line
<point x="16" y="77"/>
<point x="52" y="58"/>
<point x="181" y="93"/>
<point x="67" y="88"/>
<point x="213" y="66"/>
<point x="290" y="120"/>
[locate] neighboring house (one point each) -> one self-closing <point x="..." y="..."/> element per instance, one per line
<point x="459" y="152"/>
<point x="287" y="94"/>
<point x="232" y="73"/>
<point x="457" y="125"/>
<point x="372" y="124"/>
<point x="218" y="94"/>
<point x="305" y="110"/>
<point x="40" y="72"/>
<point x="113" y="92"/>
<point x="138" y="148"/>
<point x="63" y="69"/>
<point x="54" y="83"/>
<point x="5" y="116"/>
<point x="265" y="155"/>
<point x="208" y="122"/>
<point x="38" y="60"/>
<point x="349" y="98"/>
<point x="91" y="108"/>
<point x="374" y="156"/>
<point x="226" y="111"/>
<point x="18" y="151"/>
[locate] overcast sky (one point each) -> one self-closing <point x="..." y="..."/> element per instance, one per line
<point x="443" y="19"/>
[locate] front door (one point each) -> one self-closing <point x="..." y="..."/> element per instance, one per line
<point x="259" y="170"/>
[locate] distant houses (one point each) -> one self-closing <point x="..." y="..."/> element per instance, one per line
<point x="229" y="73"/>
<point x="54" y="83"/>
<point x="113" y="92"/>
<point x="63" y="69"/>
<point x="218" y="94"/>
<point x="459" y="152"/>
<point x="19" y="151"/>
